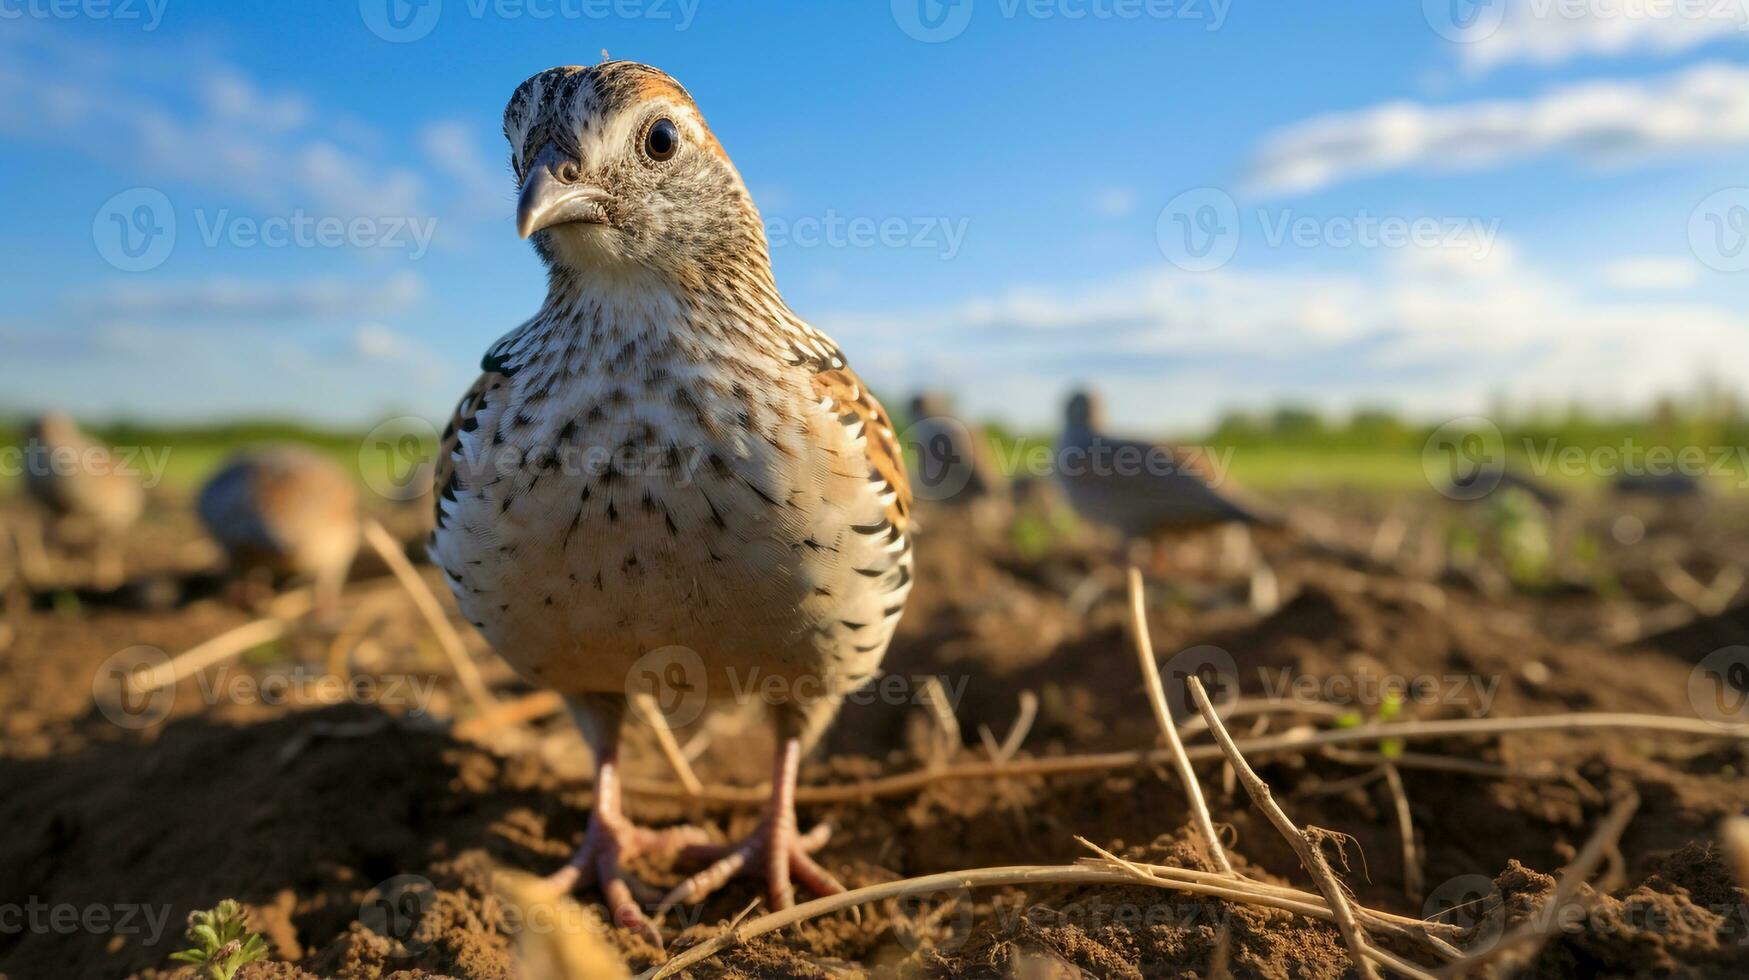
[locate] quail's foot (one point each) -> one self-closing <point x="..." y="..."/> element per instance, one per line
<point x="774" y="852"/>
<point x="611" y="842"/>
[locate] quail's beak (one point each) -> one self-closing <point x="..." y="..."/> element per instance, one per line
<point x="553" y="194"/>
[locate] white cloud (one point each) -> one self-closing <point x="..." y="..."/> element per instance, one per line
<point x="1186" y="345"/>
<point x="1650" y="273"/>
<point x="374" y="342"/>
<point x="1703" y="107"/>
<point x="251" y="299"/>
<point x="1115" y="202"/>
<point x="1549" y="32"/>
<point x="183" y="116"/>
<point x="484" y="185"/>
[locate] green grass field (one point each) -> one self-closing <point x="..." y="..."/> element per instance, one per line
<point x="1288" y="449"/>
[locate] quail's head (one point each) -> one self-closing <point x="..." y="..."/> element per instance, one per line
<point x="619" y="175"/>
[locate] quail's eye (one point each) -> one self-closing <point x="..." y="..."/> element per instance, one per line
<point x="662" y="141"/>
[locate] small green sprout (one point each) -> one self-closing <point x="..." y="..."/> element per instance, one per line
<point x="223" y="942"/>
<point x="1389" y="710"/>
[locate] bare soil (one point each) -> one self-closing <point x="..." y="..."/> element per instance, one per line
<point x="303" y="807"/>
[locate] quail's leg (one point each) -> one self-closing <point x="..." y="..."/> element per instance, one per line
<point x="774" y="851"/>
<point x="612" y="839"/>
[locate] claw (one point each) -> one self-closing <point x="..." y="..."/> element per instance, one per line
<point x="770" y="851"/>
<point x="608" y="842"/>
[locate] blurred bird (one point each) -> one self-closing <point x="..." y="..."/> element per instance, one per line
<point x="955" y="464"/>
<point x="750" y="521"/>
<point x="1147" y="491"/>
<point x="81" y="482"/>
<point x="285" y="512"/>
<point x="1483" y="481"/>
<point x="1669" y="486"/>
<point x="1140" y="488"/>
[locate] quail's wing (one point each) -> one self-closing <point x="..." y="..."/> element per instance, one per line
<point x="871" y="429"/>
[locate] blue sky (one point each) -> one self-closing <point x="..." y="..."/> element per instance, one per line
<point x="1195" y="205"/>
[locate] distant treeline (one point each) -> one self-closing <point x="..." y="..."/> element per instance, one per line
<point x="1669" y="424"/>
<point x="1717" y="422"/>
<point x="217" y="436"/>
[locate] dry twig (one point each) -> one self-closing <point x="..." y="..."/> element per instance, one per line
<point x="231" y="643"/>
<point x="1286" y="744"/>
<point x="447" y="637"/>
<point x="1157" y="697"/>
<point x="644" y="703"/>
<point x="1303" y="843"/>
<point x="1016" y="732"/>
<point x="1734" y="840"/>
<point x="1413" y="882"/>
<point x="1215" y="886"/>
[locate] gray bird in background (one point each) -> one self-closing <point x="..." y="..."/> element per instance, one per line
<point x="1140" y="488"/>
<point x="285" y="512"/>
<point x="86" y="488"/>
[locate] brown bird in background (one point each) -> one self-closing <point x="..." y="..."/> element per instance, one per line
<point x="85" y="487"/>
<point x="285" y="512"/>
